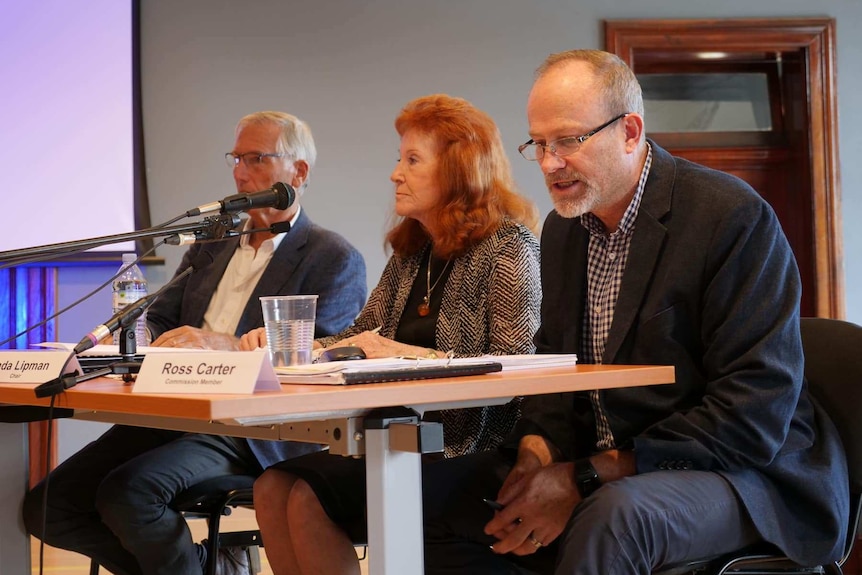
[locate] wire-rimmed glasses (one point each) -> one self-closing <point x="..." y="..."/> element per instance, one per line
<point x="251" y="160"/>
<point x="534" y="151"/>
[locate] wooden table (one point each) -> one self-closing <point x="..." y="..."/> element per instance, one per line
<point x="327" y="414"/>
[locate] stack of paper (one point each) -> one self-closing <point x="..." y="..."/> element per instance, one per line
<point x="513" y="362"/>
<point x="383" y="370"/>
<point x="401" y="369"/>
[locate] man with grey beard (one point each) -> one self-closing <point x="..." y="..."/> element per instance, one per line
<point x="648" y="259"/>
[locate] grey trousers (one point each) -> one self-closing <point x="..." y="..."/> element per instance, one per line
<point x="631" y="526"/>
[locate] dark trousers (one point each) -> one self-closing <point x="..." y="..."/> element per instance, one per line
<point x="111" y="500"/>
<point x="627" y="527"/>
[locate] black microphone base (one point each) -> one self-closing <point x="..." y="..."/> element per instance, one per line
<point x="128" y="369"/>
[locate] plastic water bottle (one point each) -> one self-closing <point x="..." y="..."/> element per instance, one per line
<point x="129" y="287"/>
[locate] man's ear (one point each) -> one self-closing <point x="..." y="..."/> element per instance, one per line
<point x="634" y="126"/>
<point x="300" y="175"/>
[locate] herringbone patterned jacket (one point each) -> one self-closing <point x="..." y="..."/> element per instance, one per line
<point x="490" y="306"/>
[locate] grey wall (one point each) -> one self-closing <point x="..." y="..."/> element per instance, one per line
<point x="347" y="67"/>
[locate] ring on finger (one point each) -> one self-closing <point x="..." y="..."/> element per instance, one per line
<point x="536" y="543"/>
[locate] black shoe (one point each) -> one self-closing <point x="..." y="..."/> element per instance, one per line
<point x="232" y="561"/>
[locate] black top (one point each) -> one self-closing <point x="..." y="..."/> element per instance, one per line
<point x="414" y="329"/>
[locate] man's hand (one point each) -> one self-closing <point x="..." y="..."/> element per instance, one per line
<point x="253" y="340"/>
<point x="533" y="452"/>
<point x="256" y="339"/>
<point x="537" y="505"/>
<point x="193" y="337"/>
<point x="539" y="496"/>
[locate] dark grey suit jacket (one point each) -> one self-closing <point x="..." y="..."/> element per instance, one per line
<point x="309" y="260"/>
<point x="711" y="287"/>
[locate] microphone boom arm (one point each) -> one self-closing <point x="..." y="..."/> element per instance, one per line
<point x="12" y="257"/>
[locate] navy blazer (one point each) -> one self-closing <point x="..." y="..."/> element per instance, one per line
<point x="711" y="287"/>
<point x="309" y="260"/>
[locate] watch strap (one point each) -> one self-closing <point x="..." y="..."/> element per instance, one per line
<point x="586" y="478"/>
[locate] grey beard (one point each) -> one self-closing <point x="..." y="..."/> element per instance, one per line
<point x="573" y="208"/>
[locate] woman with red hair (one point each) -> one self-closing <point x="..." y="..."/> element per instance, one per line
<point x="463" y="278"/>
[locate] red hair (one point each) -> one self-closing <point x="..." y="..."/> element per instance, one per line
<point x="475" y="178"/>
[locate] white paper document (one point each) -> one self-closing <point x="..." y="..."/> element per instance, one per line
<point x="401" y="369"/>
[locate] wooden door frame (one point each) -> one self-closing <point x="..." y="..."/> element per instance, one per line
<point x="815" y="38"/>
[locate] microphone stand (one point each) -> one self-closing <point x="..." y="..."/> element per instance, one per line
<point x="25" y="255"/>
<point x="129" y="366"/>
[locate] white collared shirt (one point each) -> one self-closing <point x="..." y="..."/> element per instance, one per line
<point x="240" y="278"/>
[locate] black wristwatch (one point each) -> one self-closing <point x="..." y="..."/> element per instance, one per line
<point x="586" y="478"/>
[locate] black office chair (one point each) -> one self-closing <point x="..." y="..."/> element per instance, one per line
<point x="210" y="500"/>
<point x="834" y="373"/>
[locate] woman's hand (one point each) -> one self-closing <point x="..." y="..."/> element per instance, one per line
<point x="377" y="346"/>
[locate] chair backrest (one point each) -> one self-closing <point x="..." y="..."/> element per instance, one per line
<point x="834" y="373"/>
<point x="833" y="368"/>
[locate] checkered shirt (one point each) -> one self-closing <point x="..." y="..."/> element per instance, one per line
<point x="606" y="261"/>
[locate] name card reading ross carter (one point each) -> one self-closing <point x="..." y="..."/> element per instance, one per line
<point x="202" y="368"/>
<point x="206" y="372"/>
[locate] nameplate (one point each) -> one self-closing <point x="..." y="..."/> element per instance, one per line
<point x="206" y="372"/>
<point x="35" y="365"/>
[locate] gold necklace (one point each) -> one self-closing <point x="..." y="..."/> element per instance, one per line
<point x="425" y="307"/>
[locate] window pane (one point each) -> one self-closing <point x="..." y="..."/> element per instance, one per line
<point x="706" y="102"/>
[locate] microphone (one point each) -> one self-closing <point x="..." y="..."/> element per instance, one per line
<point x="280" y="196"/>
<point x="218" y="228"/>
<point x="129" y="314"/>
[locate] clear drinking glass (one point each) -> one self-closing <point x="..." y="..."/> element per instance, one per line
<point x="289" y="324"/>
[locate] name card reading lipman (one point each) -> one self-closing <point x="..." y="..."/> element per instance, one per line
<point x="35" y="365"/>
<point x="206" y="372"/>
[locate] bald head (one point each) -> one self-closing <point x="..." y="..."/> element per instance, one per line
<point x="613" y="82"/>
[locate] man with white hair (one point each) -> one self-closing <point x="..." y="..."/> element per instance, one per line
<point x="112" y="500"/>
